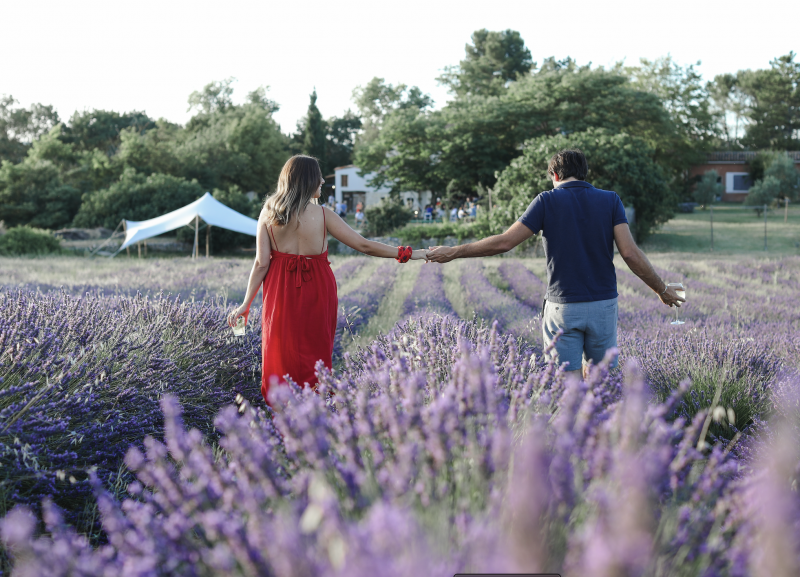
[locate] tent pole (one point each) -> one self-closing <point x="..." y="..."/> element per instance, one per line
<point x="145" y="248"/>
<point x="125" y="230"/>
<point x="196" y="232"/>
<point x="139" y="248"/>
<point x="208" y="237"/>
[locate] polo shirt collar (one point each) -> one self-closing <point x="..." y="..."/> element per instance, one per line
<point x="575" y="184"/>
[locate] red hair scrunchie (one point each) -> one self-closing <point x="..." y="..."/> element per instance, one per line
<point x="403" y="254"/>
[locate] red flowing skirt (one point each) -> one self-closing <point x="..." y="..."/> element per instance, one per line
<point x="298" y="320"/>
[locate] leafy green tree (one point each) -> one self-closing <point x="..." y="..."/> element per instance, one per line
<point x="238" y="145"/>
<point x="763" y="192"/>
<point x="33" y="192"/>
<point x="774" y="110"/>
<point x="102" y="129"/>
<point x="709" y="187"/>
<point x="314" y="141"/>
<point x="783" y="169"/>
<point x="731" y="106"/>
<point x="341" y="137"/>
<point x="136" y="197"/>
<point x="376" y="101"/>
<point x="19" y="127"/>
<point x="469" y="141"/>
<point x="617" y="161"/>
<point x="684" y="96"/>
<point x="492" y="60"/>
<point x="215" y="97"/>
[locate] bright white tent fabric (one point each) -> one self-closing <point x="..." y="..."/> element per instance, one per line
<point x="208" y="208"/>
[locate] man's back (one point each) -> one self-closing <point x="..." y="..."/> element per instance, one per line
<point x="577" y="223"/>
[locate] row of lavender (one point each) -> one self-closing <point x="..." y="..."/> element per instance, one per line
<point x="738" y="355"/>
<point x="444" y="449"/>
<point x="80" y="380"/>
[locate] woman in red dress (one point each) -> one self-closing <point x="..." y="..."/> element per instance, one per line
<point x="299" y="289"/>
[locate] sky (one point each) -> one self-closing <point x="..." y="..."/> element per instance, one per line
<point x="150" y="55"/>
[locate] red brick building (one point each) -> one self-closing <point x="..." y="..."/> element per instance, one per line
<point x="732" y="168"/>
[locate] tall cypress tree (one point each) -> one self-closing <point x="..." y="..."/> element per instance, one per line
<point x="314" y="134"/>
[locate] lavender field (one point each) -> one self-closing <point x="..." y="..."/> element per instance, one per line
<point x="133" y="439"/>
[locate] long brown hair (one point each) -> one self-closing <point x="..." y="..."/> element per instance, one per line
<point x="299" y="180"/>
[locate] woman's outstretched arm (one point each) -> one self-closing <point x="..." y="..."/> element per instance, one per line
<point x="342" y="232"/>
<point x="257" y="273"/>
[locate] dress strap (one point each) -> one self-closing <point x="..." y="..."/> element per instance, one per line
<point x="324" y="231"/>
<point x="273" y="238"/>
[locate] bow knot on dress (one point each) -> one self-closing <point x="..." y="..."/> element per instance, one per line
<point x="301" y="267"/>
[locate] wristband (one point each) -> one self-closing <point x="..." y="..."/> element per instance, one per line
<point x="403" y="254"/>
<point x="666" y="288"/>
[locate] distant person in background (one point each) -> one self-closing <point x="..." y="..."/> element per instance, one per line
<point x="342" y="209"/>
<point x="359" y="218"/>
<point x="331" y="200"/>
<point x="461" y="212"/>
<point x="429" y="212"/>
<point x="453" y="214"/>
<point x="579" y="225"/>
<point x="473" y="210"/>
<point x="359" y="206"/>
<point x="440" y="212"/>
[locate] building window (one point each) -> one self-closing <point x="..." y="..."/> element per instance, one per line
<point x="344" y="180"/>
<point x="737" y="182"/>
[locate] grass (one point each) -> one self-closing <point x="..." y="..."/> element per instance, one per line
<point x="737" y="230"/>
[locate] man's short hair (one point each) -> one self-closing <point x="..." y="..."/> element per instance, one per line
<point x="568" y="162"/>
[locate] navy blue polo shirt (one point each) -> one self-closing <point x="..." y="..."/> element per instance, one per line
<point x="577" y="222"/>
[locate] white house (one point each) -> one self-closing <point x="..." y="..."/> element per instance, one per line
<point x="352" y="189"/>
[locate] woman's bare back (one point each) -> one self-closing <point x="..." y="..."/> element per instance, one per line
<point x="309" y="237"/>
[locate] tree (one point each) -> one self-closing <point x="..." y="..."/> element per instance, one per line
<point x="731" y="106"/>
<point x="19" y="127"/>
<point x="708" y="188"/>
<point x="617" y="161"/>
<point x="215" y="97"/>
<point x="469" y="141"/>
<point x="696" y="127"/>
<point x="136" y="197"/>
<point x="33" y="192"/>
<point x="492" y="60"/>
<point x="779" y="166"/>
<point x="774" y="110"/>
<point x="101" y="129"/>
<point x="762" y="193"/>
<point x="239" y="145"/>
<point x="341" y="138"/>
<point x="314" y="141"/>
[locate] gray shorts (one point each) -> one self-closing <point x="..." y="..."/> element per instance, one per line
<point x="590" y="329"/>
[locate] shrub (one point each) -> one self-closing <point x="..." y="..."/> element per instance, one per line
<point x="708" y="188"/>
<point x="24" y="240"/>
<point x="763" y="192"/>
<point x="385" y="217"/>
<point x="414" y="234"/>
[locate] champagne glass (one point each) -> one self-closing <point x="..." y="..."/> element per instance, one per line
<point x="680" y="290"/>
<point x="240" y="326"/>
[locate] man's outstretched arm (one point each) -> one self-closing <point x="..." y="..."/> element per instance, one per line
<point x="496" y="244"/>
<point x="640" y="265"/>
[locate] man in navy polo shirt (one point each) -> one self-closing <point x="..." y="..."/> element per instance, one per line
<point x="579" y="225"/>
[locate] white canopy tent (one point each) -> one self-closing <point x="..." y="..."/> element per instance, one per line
<point x="212" y="211"/>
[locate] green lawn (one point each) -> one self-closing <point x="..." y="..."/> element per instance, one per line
<point x="736" y="231"/>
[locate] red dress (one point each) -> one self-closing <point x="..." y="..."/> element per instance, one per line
<point x="299" y="317"/>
